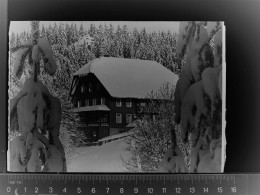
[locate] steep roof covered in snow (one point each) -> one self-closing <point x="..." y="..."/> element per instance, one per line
<point x="129" y="77"/>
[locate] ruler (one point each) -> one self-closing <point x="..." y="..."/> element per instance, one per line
<point x="124" y="184"/>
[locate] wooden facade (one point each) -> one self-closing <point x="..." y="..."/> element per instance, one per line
<point x="101" y="114"/>
<point x="110" y="93"/>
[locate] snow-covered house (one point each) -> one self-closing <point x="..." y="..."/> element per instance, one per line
<point x="108" y="92"/>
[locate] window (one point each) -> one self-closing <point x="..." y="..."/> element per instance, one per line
<point x="87" y="102"/>
<point x="118" y="103"/>
<point x="90" y="87"/>
<point x="81" y="103"/>
<point x="104" y="118"/>
<point x="94" y="102"/>
<point x="128" y="103"/>
<point x="75" y="103"/>
<point x="98" y="86"/>
<point x="128" y="118"/>
<point x="94" y="134"/>
<point x="83" y="88"/>
<point x="102" y="101"/>
<point x="143" y="103"/>
<point x="118" y="118"/>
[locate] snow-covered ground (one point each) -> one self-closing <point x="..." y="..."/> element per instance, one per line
<point x="105" y="158"/>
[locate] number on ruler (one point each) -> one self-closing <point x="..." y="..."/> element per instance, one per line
<point x="205" y="190"/>
<point x="220" y="190"/>
<point x="150" y="190"/>
<point x="233" y="189"/>
<point x="50" y="190"/>
<point x="164" y="190"/>
<point x="8" y="189"/>
<point x="192" y="190"/>
<point x="79" y="190"/>
<point x="93" y="190"/>
<point x="178" y="190"/>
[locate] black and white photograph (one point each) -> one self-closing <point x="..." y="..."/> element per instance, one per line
<point x="116" y="96"/>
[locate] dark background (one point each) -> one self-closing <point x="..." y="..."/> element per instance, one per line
<point x="242" y="56"/>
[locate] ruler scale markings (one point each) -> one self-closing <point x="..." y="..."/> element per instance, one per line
<point x="186" y="182"/>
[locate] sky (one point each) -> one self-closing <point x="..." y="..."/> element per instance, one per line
<point x="20" y="26"/>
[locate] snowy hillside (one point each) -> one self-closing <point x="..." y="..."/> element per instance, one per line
<point x="104" y="158"/>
